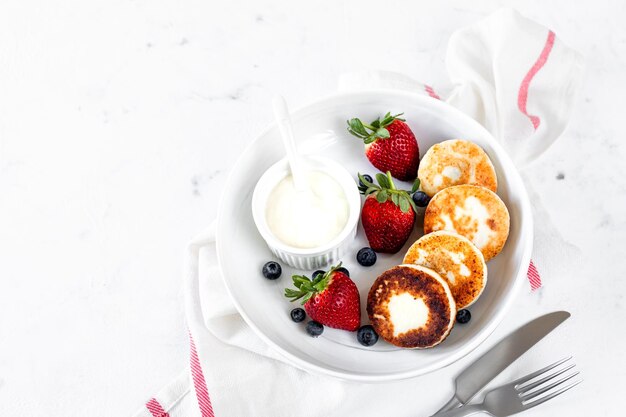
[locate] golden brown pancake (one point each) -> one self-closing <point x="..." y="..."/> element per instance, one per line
<point x="455" y="162"/>
<point x="456" y="260"/>
<point x="411" y="306"/>
<point x="474" y="212"/>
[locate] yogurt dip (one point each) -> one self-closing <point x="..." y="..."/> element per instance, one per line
<point x="310" y="218"/>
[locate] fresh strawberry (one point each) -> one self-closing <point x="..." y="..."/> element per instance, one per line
<point x="389" y="145"/>
<point x="388" y="214"/>
<point x="331" y="298"/>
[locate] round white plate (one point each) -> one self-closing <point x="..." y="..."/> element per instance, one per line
<point x="321" y="129"/>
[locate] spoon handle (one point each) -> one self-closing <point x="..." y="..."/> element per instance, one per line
<point x="286" y="131"/>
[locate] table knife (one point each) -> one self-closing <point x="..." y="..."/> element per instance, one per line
<point x="496" y="359"/>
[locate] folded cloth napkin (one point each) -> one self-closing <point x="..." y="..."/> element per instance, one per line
<point x="509" y="73"/>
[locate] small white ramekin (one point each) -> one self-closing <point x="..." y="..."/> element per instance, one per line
<point x="313" y="258"/>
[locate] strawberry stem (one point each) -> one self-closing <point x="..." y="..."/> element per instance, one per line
<point x="393" y="186"/>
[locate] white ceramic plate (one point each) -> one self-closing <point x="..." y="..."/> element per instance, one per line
<point x="321" y="129"/>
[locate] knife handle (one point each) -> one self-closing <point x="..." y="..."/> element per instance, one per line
<point x="450" y="405"/>
<point x="466" y="410"/>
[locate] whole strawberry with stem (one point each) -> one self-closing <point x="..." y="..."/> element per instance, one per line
<point x="388" y="214"/>
<point x="390" y="145"/>
<point x="331" y="298"/>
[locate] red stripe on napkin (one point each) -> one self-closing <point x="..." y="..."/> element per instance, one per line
<point x="198" y="382"/>
<point x="431" y="92"/>
<point x="155" y="408"/>
<point x="522" y="97"/>
<point x="533" y="277"/>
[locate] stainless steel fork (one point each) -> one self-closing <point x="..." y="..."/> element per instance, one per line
<point x="523" y="393"/>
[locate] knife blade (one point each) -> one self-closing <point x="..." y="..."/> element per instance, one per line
<point x="499" y="357"/>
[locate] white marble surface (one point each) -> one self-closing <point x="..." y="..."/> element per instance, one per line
<point x="119" y="121"/>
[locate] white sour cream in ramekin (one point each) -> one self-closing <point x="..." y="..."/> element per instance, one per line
<point x="310" y="218"/>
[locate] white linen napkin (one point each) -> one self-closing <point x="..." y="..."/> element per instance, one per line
<point x="509" y="73"/>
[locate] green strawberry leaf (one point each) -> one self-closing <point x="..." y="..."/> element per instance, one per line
<point x="383" y="180"/>
<point x="382" y="133"/>
<point x="387" y="190"/>
<point x="388" y="119"/>
<point x="376" y="130"/>
<point x="404" y="204"/>
<point x="355" y="126"/>
<point x="369" y="139"/>
<point x="294" y="295"/>
<point x="307" y="288"/>
<point x="300" y="280"/>
<point x="416" y="186"/>
<point x="364" y="181"/>
<point x="319" y="286"/>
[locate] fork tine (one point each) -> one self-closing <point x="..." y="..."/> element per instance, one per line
<point x="525" y="388"/>
<point x="531" y="404"/>
<point x="528" y="377"/>
<point x="530" y="396"/>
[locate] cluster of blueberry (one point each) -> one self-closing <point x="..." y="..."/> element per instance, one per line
<point x="366" y="335"/>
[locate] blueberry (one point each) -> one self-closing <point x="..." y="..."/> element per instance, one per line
<point x="463" y="316"/>
<point x="316" y="273"/>
<point x="272" y="270"/>
<point x="314" y="328"/>
<point x="298" y="315"/>
<point x="366" y="257"/>
<point x="367" y="178"/>
<point x="366" y="335"/>
<point x="421" y="199"/>
<point x="344" y="270"/>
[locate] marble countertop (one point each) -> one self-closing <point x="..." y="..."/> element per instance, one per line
<point x="119" y="121"/>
